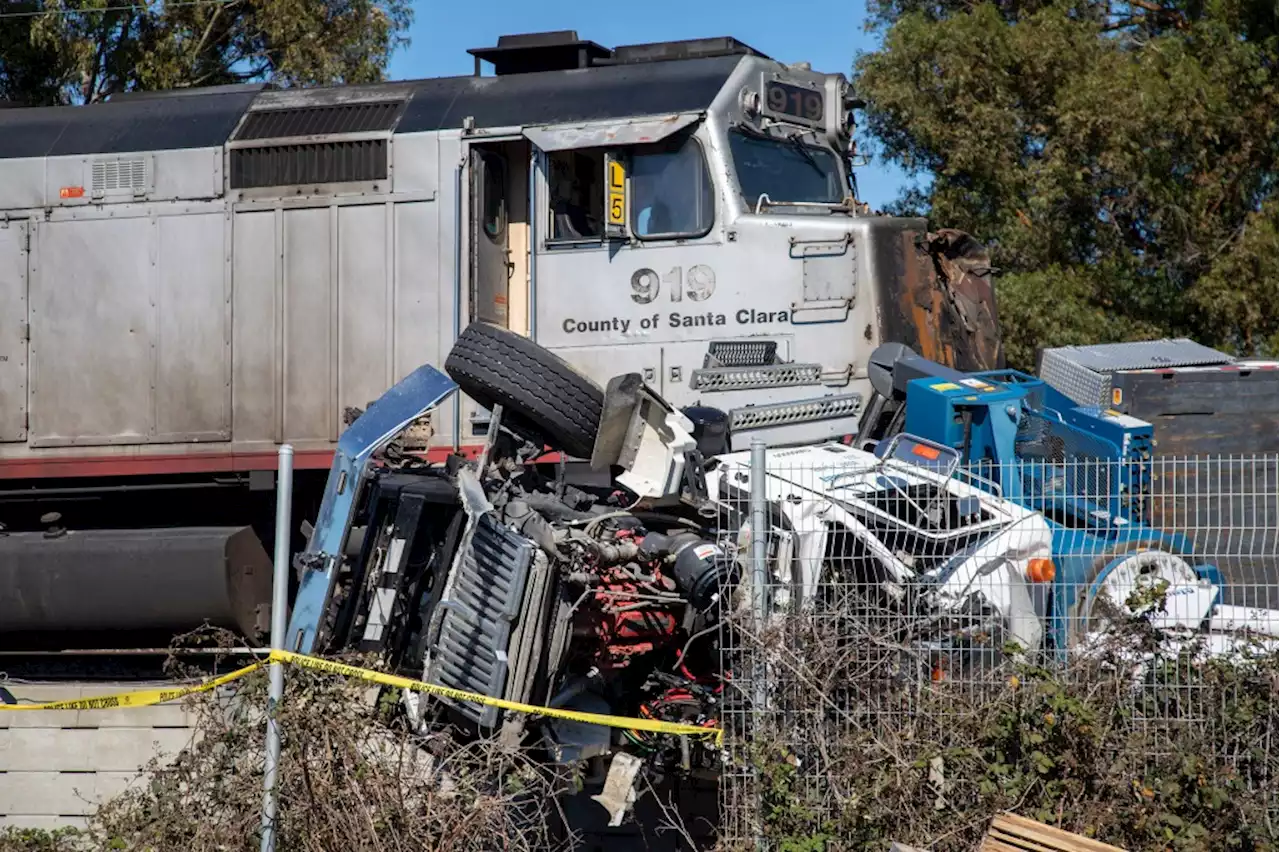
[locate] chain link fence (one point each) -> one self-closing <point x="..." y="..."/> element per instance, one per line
<point x="914" y="647"/>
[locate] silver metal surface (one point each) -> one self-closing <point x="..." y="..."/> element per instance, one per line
<point x="13" y="331"/>
<point x="1083" y="373"/>
<point x="192" y="352"/>
<point x="742" y="378"/>
<point x="1143" y="355"/>
<point x="801" y="411"/>
<point x="142" y="356"/>
<point x="93" y="348"/>
<point x="169" y="312"/>
<point x="1078" y="383"/>
<point x="366" y="306"/>
<point x="257" y="307"/>
<point x="598" y="134"/>
<point x="828" y="272"/>
<point x="308" y="334"/>
<point x="279" y="603"/>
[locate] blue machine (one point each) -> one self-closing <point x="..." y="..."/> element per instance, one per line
<point x="1086" y="469"/>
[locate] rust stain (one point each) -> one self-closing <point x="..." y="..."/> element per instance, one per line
<point x="949" y="300"/>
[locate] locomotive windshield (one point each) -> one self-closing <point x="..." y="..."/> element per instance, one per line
<point x="787" y="171"/>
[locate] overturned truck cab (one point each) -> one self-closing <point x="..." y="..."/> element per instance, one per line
<point x="595" y="591"/>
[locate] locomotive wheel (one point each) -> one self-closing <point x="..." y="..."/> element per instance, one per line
<point x="542" y="397"/>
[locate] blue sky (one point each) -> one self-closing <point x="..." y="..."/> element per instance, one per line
<point x="826" y="33"/>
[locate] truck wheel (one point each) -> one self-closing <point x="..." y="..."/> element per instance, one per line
<point x="542" y="397"/>
<point x="1124" y="569"/>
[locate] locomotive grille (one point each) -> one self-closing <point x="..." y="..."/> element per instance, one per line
<point x="311" y="163"/>
<point x="320" y="120"/>
<point x="113" y="175"/>
<point x="742" y="378"/>
<point x="741" y="353"/>
<point x="801" y="411"/>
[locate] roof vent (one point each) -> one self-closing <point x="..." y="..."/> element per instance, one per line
<point x="532" y="52"/>
<point x="186" y="91"/>
<point x="695" y="48"/>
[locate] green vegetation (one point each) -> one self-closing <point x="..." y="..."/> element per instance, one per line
<point x="63" y="51"/>
<point x="1119" y="158"/>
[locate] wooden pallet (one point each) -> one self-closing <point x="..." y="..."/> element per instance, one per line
<point x="1012" y="833"/>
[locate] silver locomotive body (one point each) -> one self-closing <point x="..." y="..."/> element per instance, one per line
<point x="190" y="278"/>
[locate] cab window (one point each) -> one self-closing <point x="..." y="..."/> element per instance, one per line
<point x="576" y="185"/>
<point x="671" y="191"/>
<point x="495" y="196"/>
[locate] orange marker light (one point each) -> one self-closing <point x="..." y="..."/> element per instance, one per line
<point x="1040" y="570"/>
<point x="71" y="192"/>
<point x="930" y="453"/>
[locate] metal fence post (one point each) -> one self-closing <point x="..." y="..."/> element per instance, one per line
<point x="279" y="604"/>
<point x="759" y="595"/>
<point x="759" y="532"/>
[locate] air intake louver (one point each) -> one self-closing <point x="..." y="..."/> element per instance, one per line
<point x="309" y="164"/>
<point x="320" y="120"/>
<point x="310" y="144"/>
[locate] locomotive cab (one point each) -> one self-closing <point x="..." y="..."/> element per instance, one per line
<point x="717" y="249"/>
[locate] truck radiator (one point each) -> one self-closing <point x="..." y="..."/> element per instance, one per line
<point x="478" y="615"/>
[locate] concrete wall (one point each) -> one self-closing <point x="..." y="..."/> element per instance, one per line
<point x="55" y="765"/>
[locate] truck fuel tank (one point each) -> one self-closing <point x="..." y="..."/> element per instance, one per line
<point x="163" y="580"/>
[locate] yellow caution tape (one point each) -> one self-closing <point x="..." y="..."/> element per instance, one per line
<point x="141" y="698"/>
<point x="147" y="697"/>
<point x="654" y="725"/>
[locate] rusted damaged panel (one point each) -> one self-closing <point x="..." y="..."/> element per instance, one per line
<point x="937" y="297"/>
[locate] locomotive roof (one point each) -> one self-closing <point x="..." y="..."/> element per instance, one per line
<point x="200" y="118"/>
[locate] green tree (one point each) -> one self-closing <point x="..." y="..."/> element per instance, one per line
<point x="1119" y="158"/>
<point x="81" y="51"/>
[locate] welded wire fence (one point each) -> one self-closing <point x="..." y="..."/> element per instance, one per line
<point x="915" y="613"/>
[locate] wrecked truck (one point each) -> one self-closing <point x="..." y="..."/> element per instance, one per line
<point x="606" y="585"/>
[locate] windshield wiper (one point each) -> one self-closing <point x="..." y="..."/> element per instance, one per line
<point x="807" y="154"/>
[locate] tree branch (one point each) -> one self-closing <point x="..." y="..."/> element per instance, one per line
<point x="91" y="85"/>
<point x="1177" y="18"/>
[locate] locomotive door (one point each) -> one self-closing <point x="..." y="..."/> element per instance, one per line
<point x="491" y="266"/>
<point x="13" y="331"/>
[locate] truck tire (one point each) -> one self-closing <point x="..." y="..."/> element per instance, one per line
<point x="542" y="397"/>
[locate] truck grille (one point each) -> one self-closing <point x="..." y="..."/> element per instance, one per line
<point x="470" y="650"/>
